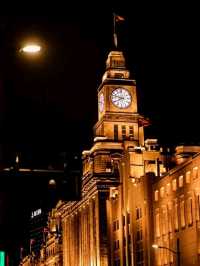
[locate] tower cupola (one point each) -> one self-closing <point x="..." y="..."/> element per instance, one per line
<point x="116" y="66"/>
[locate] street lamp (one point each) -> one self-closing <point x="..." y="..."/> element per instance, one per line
<point x="176" y="252"/>
<point x="31" y="48"/>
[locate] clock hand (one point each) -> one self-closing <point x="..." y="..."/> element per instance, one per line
<point x="119" y="98"/>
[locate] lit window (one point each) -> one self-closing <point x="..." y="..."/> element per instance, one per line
<point x="182" y="210"/>
<point x="164" y="220"/>
<point x="165" y="255"/>
<point x="195" y="172"/>
<point x="168" y="188"/>
<point x="176" y="216"/>
<point x="198" y="208"/>
<point x="170" y="216"/>
<point x="180" y="181"/>
<point x="156" y="195"/>
<point x="174" y="184"/>
<point x="189" y="211"/>
<point x="162" y="192"/>
<point x="157" y="224"/>
<point x="188" y="177"/>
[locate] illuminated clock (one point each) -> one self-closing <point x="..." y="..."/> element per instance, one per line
<point x="101" y="102"/>
<point x="121" y="98"/>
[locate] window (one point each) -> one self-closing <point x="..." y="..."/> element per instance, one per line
<point x="117" y="63"/>
<point x="180" y="181"/>
<point x="123" y="132"/>
<point x="198" y="208"/>
<point x="129" y="239"/>
<point x="170" y="216"/>
<point x="123" y="220"/>
<point x="174" y="184"/>
<point x="162" y="192"/>
<point x="128" y="218"/>
<point x="119" y="75"/>
<point x="157" y="224"/>
<point x="115" y="132"/>
<point x="189" y="211"/>
<point x="156" y="195"/>
<point x="165" y="255"/>
<point x="188" y="177"/>
<point x="116" y="225"/>
<point x="182" y="210"/>
<point x="124" y="241"/>
<point x="139" y="235"/>
<point x="116" y="244"/>
<point x="139" y="253"/>
<point x="168" y="188"/>
<point x="164" y="220"/>
<point x="176" y="216"/>
<point x="195" y="172"/>
<point x="138" y="213"/>
<point x="139" y="257"/>
<point x="131" y="136"/>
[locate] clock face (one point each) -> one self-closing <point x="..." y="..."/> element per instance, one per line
<point x="121" y="98"/>
<point x="101" y="102"/>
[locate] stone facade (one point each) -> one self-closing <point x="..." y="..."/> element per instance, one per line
<point x="51" y="248"/>
<point x="133" y="193"/>
<point x="110" y="225"/>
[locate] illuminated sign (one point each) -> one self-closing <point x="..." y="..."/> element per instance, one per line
<point x="35" y="213"/>
<point x="2" y="258"/>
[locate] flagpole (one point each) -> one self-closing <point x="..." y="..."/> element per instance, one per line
<point x="114" y="30"/>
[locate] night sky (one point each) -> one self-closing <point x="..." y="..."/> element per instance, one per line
<point x="48" y="104"/>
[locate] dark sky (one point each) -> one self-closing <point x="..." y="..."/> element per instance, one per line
<point x="48" y="104"/>
<point x="50" y="101"/>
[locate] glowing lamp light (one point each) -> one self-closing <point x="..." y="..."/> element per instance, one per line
<point x="155" y="246"/>
<point x="52" y="182"/>
<point x="31" y="48"/>
<point x="17" y="159"/>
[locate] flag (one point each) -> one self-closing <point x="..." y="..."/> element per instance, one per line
<point x="119" y="18"/>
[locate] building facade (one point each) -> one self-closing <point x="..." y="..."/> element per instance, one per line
<point x="111" y="224"/>
<point x="51" y="253"/>
<point x="176" y="209"/>
<point x="134" y="194"/>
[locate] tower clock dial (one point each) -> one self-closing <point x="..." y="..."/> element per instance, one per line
<point x="101" y="102"/>
<point x="121" y="98"/>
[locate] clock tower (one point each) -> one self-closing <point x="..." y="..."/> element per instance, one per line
<point x="110" y="221"/>
<point x="117" y="103"/>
